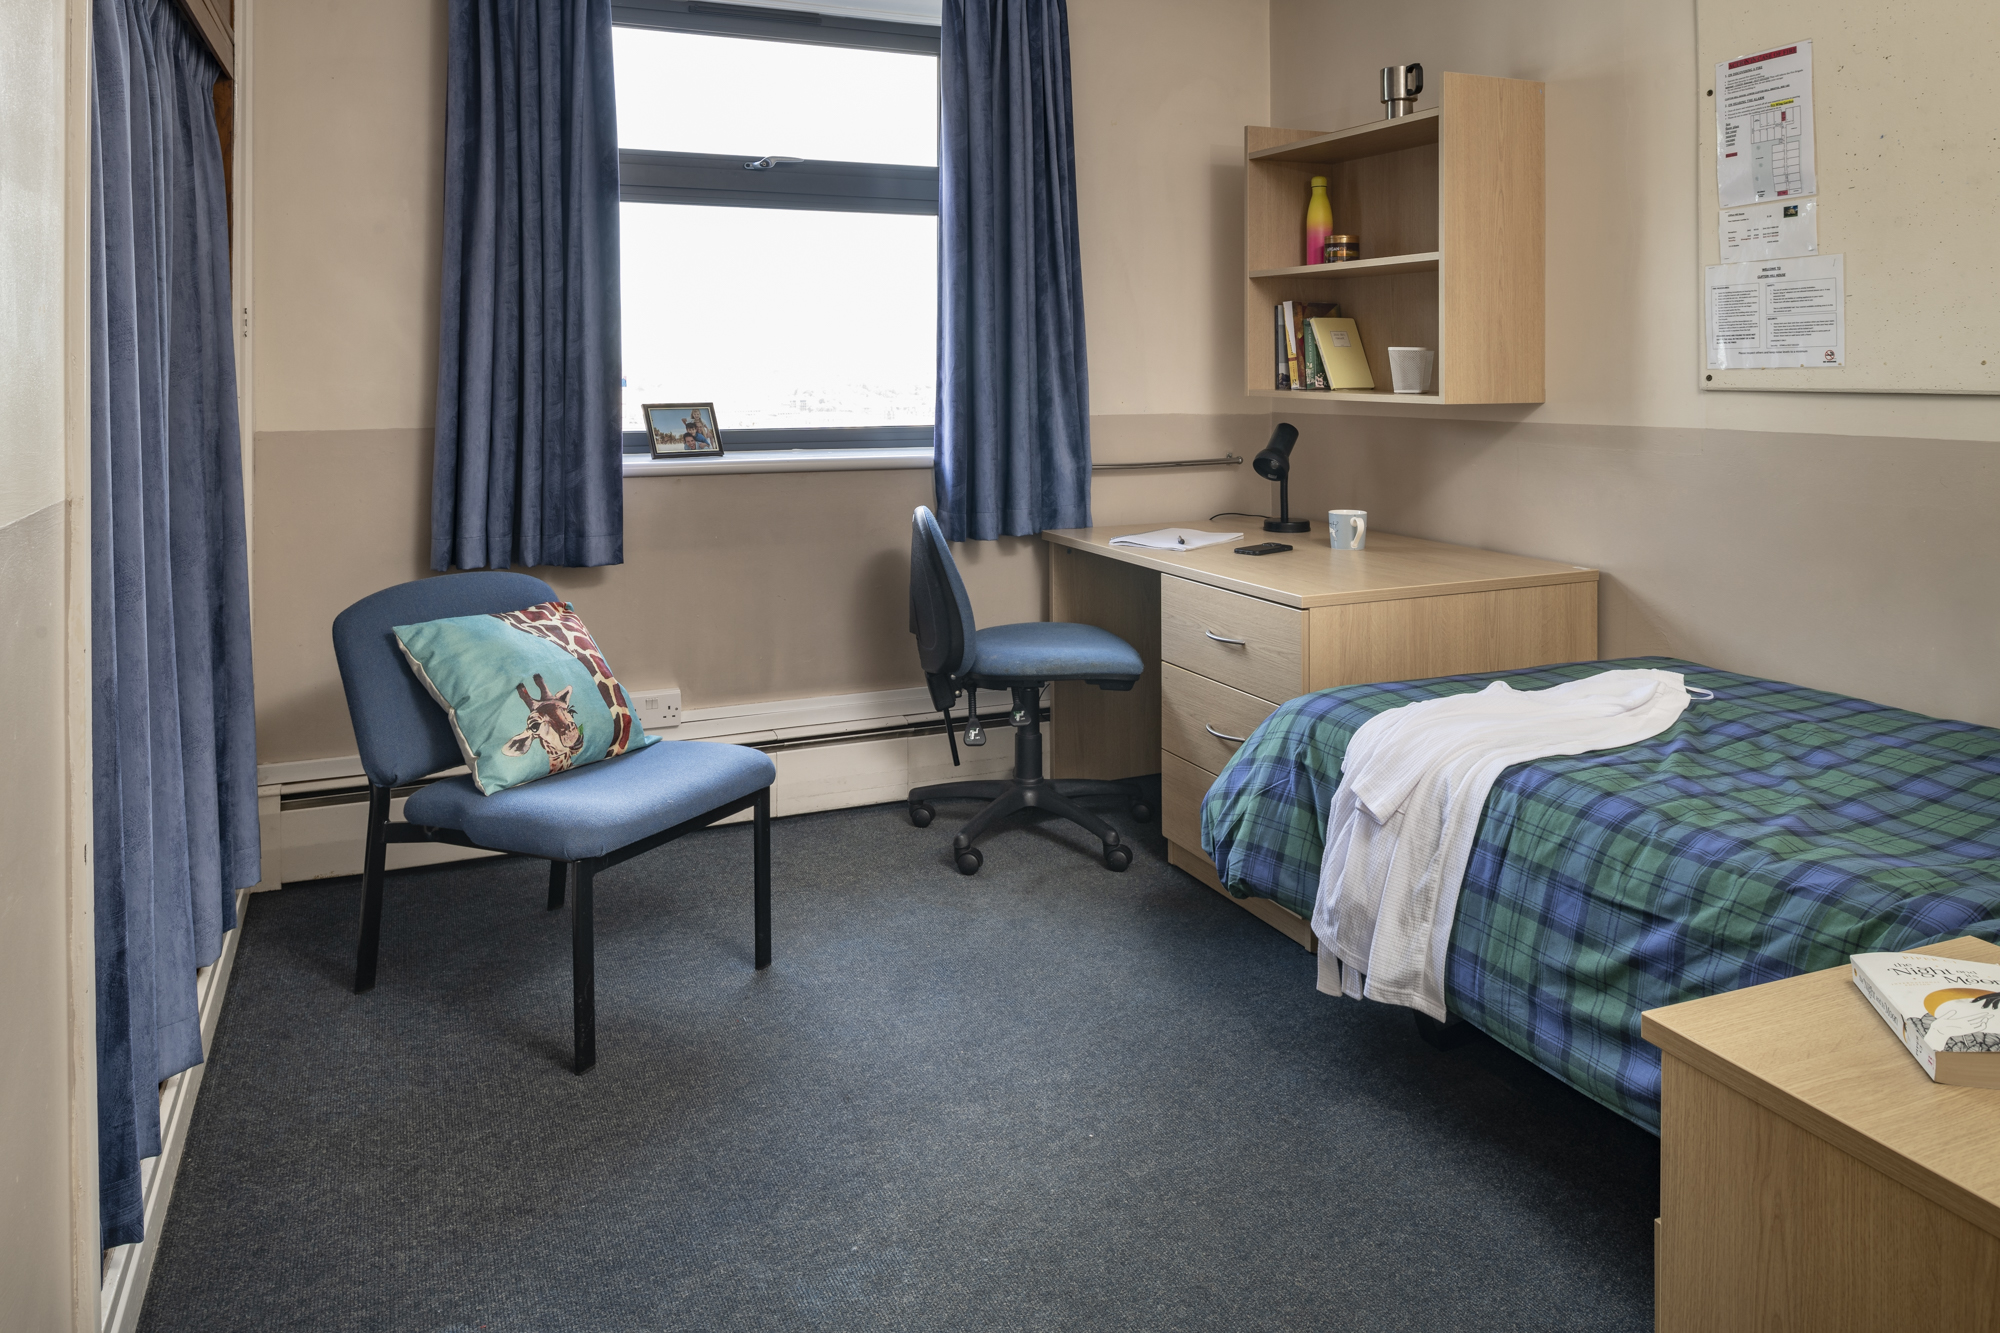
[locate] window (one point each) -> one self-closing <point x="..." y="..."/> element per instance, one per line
<point x="799" y="296"/>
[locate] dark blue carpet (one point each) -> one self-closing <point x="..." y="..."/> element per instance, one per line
<point x="1049" y="1097"/>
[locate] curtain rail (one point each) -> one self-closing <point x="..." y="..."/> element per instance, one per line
<point x="1227" y="460"/>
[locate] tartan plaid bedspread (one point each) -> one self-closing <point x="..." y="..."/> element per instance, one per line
<point x="1771" y="831"/>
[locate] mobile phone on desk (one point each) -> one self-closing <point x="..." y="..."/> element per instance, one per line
<point x="1263" y="548"/>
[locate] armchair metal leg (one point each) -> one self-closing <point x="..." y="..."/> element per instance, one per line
<point x="557" y="870"/>
<point x="372" y="869"/>
<point x="583" y="970"/>
<point x="761" y="855"/>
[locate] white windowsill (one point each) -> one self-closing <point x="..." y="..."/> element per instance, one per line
<point x="783" y="460"/>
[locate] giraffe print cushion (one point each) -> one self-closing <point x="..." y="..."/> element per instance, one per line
<point x="528" y="692"/>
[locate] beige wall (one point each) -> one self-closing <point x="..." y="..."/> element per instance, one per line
<point x="1842" y="541"/>
<point x="348" y="170"/>
<point x="37" y="1156"/>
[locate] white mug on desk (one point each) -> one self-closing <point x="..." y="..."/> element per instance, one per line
<point x="1348" y="528"/>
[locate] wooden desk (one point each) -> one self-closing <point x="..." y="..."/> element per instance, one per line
<point x="1811" y="1177"/>
<point x="1227" y="638"/>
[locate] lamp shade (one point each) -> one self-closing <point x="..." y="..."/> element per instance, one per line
<point x="1275" y="462"/>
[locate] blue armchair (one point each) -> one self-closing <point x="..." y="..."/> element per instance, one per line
<point x="582" y="821"/>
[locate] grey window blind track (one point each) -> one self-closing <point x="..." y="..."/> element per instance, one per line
<point x="1227" y="460"/>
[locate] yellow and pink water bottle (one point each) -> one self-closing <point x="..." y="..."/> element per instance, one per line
<point x="1319" y="222"/>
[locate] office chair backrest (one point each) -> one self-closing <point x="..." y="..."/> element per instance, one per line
<point x="403" y="732"/>
<point x="940" y="612"/>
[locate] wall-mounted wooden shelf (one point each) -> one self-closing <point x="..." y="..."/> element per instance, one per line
<point x="1383" y="136"/>
<point x="1388" y="396"/>
<point x="1356" y="267"/>
<point x="1448" y="204"/>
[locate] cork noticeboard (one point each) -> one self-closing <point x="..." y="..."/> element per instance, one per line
<point x="1906" y="115"/>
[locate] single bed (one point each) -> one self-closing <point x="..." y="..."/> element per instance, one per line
<point x="1770" y="831"/>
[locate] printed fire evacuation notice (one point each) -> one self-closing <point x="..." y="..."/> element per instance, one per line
<point x="1764" y="127"/>
<point x="1778" y="314"/>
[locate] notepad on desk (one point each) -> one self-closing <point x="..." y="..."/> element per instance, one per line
<point x="1175" y="539"/>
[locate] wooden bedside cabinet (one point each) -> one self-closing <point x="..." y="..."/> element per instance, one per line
<point x="1811" y="1176"/>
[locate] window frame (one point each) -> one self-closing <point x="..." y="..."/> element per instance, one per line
<point x="721" y="180"/>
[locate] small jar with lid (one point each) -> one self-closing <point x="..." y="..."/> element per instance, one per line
<point x="1342" y="248"/>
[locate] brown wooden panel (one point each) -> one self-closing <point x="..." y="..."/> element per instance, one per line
<point x="1190" y="704"/>
<point x="1811" y="1049"/>
<point x="1490" y="240"/>
<point x="1766" y="1226"/>
<point x="1182" y="787"/>
<point x="1269" y="663"/>
<point x="1097" y="733"/>
<point x="1442" y="636"/>
<point x="1289" y="924"/>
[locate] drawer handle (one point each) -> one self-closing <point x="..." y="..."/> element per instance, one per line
<point x="1240" y="643"/>
<point x="1222" y="735"/>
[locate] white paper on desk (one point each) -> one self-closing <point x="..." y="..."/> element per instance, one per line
<point x="1777" y="314"/>
<point x="1783" y="230"/>
<point x="1175" y="539"/>
<point x="1764" y="127"/>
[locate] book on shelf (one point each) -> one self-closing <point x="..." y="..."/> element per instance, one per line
<point x="1295" y="366"/>
<point x="1314" y="363"/>
<point x="1278" y="330"/>
<point x="1339" y="342"/>
<point x="1299" y="365"/>
<point x="1945" y="1012"/>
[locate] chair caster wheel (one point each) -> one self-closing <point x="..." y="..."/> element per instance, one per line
<point x="922" y="813"/>
<point x="1117" y="856"/>
<point x="1141" y="811"/>
<point x="969" y="860"/>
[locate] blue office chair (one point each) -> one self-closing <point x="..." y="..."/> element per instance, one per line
<point x="960" y="658"/>
<point x="581" y="822"/>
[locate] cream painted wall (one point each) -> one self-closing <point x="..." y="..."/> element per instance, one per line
<point x="348" y="165"/>
<point x="1623" y="97"/>
<point x="37" y="1207"/>
<point x="1162" y="90"/>
<point x="1841" y="541"/>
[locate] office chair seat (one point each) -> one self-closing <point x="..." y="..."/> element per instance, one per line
<point x="600" y="807"/>
<point x="1041" y="651"/>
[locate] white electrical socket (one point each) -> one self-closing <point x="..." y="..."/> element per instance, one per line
<point x="657" y="709"/>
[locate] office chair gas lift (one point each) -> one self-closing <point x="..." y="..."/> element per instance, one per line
<point x="960" y="658"/>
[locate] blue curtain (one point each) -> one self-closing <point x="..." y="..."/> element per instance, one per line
<point x="528" y="467"/>
<point x="174" y="791"/>
<point x="1013" y="408"/>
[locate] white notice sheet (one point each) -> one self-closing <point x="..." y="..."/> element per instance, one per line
<point x="1764" y="127"/>
<point x="1770" y="231"/>
<point x="1777" y="314"/>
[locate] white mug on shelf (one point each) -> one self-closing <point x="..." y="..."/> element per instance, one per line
<point x="1348" y="528"/>
<point x="1410" y="368"/>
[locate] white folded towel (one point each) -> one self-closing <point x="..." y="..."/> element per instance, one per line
<point x="1413" y="784"/>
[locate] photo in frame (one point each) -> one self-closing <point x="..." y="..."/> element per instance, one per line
<point x="682" y="430"/>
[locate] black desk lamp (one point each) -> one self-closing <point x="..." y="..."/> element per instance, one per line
<point x="1275" y="464"/>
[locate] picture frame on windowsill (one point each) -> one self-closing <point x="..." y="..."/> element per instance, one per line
<point x="682" y="430"/>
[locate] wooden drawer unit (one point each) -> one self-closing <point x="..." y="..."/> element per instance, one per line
<point x="1182" y="786"/>
<point x="1247" y="643"/>
<point x="1194" y="708"/>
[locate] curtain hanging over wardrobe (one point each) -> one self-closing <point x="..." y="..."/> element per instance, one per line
<point x="529" y="468"/>
<point x="1013" y="405"/>
<point x="173" y="739"/>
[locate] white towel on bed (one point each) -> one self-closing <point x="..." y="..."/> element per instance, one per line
<point x="1413" y="784"/>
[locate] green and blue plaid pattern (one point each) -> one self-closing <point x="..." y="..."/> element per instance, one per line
<point x="1770" y="831"/>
